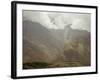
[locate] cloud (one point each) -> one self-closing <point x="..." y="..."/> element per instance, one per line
<point x="59" y="20"/>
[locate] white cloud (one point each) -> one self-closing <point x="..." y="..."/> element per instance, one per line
<point x="59" y="20"/>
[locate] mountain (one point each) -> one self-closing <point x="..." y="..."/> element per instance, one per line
<point x="59" y="47"/>
<point x="34" y="34"/>
<point x="74" y="34"/>
<point x="77" y="46"/>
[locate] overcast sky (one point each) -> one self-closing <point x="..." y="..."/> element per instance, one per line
<point x="59" y="20"/>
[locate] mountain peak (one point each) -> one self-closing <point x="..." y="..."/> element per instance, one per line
<point x="68" y="27"/>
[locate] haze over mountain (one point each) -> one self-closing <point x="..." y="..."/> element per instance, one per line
<point x="41" y="44"/>
<point x="56" y="39"/>
<point x="35" y="34"/>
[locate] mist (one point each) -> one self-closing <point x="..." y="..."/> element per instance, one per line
<point x="54" y="20"/>
<point x="56" y="39"/>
